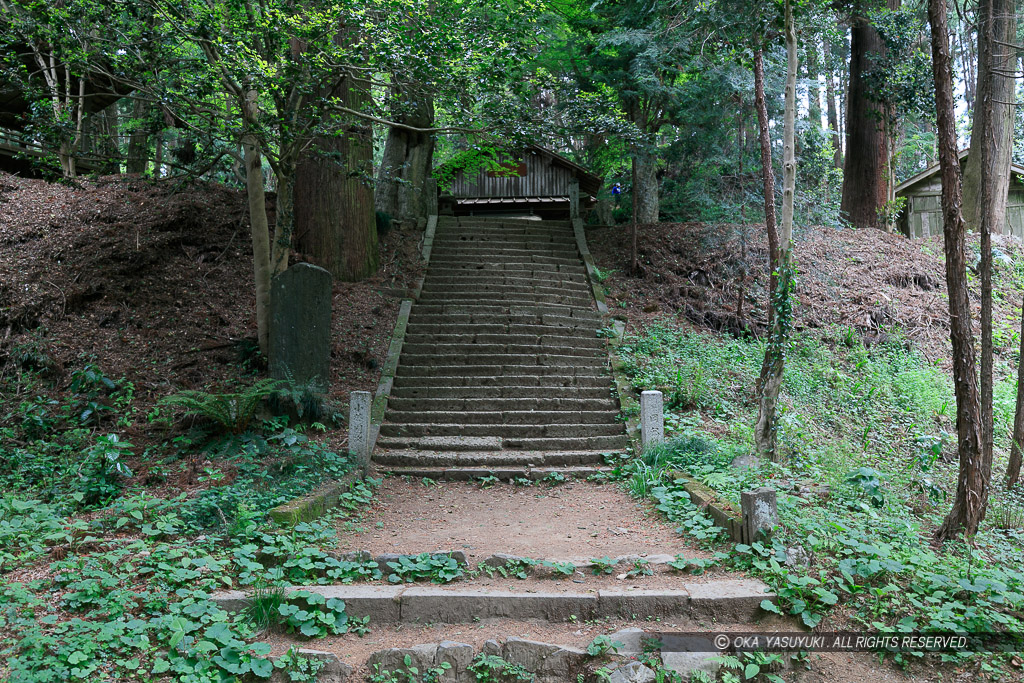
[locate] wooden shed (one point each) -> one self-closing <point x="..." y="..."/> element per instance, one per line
<point x="536" y="183"/>
<point x="922" y="215"/>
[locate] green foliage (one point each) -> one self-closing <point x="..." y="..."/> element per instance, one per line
<point x="604" y="565"/>
<point x="870" y="482"/>
<point x="313" y="615"/>
<point x="602" y="645"/>
<point x="438" y="568"/>
<point x="493" y="669"/>
<point x="232" y="413"/>
<point x="519" y="568"/>
<point x="410" y="673"/>
<point x="471" y="161"/>
<point x="559" y="568"/>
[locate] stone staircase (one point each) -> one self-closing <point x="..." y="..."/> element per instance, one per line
<point x="501" y="365"/>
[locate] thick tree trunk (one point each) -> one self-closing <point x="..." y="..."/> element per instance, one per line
<point x="138" y="139"/>
<point x="767" y="177"/>
<point x="645" y="187"/>
<point x="866" y="172"/>
<point x="993" y="116"/>
<point x="408" y="157"/>
<point x="334" y="211"/>
<point x="973" y="481"/>
<point x="770" y="380"/>
<point x="833" y="112"/>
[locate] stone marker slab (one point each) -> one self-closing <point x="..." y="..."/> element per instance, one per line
<point x="300" y="326"/>
<point x="359" y="428"/>
<point x="652" y="418"/>
<point x="760" y="513"/>
<point x="546" y="661"/>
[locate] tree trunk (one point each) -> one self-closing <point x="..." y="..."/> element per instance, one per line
<point x="138" y="139"/>
<point x="407" y="161"/>
<point x="987" y="172"/>
<point x="866" y="172"/>
<point x="833" y="115"/>
<point x="260" y="229"/>
<point x="993" y="115"/>
<point x="334" y="211"/>
<point x="1017" y="445"/>
<point x="770" y="380"/>
<point x="767" y="177"/>
<point x="813" y="88"/>
<point x="645" y="187"/>
<point x="633" y="260"/>
<point x="973" y="481"/>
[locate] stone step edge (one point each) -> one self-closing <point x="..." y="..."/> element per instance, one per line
<point x="504" y="472"/>
<point x="721" y="600"/>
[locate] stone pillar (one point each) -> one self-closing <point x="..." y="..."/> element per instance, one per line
<point x="574" y="199"/>
<point x="430" y="188"/>
<point x="760" y="513"/>
<point x="300" y="326"/>
<point x="652" y="418"/>
<point x="359" y="428"/>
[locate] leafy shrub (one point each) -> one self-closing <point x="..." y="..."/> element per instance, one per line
<point x="232" y="413"/>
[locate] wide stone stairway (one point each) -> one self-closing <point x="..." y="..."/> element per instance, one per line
<point x="501" y="365"/>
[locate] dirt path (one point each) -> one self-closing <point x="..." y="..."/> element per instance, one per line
<point x="576" y="520"/>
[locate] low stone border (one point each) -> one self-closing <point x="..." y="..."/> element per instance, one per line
<point x="629" y="403"/>
<point x="722" y="511"/>
<point x="387" y="372"/>
<point x="723" y="600"/>
<point x="314" y="504"/>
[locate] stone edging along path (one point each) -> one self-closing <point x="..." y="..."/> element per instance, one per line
<point x="721" y="600"/>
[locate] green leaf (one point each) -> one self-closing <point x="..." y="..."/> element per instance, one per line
<point x="751" y="670"/>
<point x="262" y="667"/>
<point x="769" y="606"/>
<point x="77" y="657"/>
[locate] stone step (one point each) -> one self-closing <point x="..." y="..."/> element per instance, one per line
<point x="526" y="405"/>
<point x="724" y="601"/>
<point x="509" y="253"/>
<point x="549" y="341"/>
<point x="488" y="459"/>
<point x="492" y="239"/>
<point x="441" y="349"/>
<point x="456" y="289"/>
<point x="533" y="270"/>
<point x="590" y="327"/>
<point x="505" y="431"/>
<point x="473" y="280"/>
<point x="493" y="412"/>
<point x="596" y="364"/>
<point x="452" y="381"/>
<point x="505" y="299"/>
<point x="525" y="260"/>
<point x="497" y="442"/>
<point x="510" y="329"/>
<point x="508" y="307"/>
<point x="521" y="393"/>
<point x="504" y="226"/>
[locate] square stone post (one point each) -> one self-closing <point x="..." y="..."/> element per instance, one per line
<point x="760" y="513"/>
<point x="359" y="428"/>
<point x="574" y="199"/>
<point x="652" y="418"/>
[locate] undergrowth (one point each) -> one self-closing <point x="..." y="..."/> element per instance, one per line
<point x="866" y="478"/>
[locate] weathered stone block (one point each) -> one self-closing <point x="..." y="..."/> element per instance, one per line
<point x="393" y="659"/>
<point x="359" y="428"/>
<point x="300" y="326"/>
<point x="548" y="662"/>
<point x="436" y="605"/>
<point x="459" y="656"/>
<point x="727" y="600"/>
<point x="760" y="513"/>
<point x="332" y="670"/>
<point x="652" y="418"/>
<point x="633" y="672"/>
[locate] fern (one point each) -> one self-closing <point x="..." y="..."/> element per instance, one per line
<point x="231" y="412"/>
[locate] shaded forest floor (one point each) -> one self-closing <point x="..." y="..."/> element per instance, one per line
<point x="152" y="285"/>
<point x="875" y="283"/>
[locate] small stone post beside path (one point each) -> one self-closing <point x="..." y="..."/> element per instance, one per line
<point x="359" y="428"/>
<point x="652" y="418"/>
